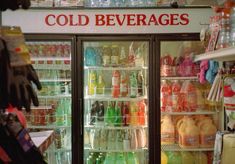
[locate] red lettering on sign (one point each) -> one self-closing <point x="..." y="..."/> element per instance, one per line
<point x="48" y="22"/>
<point x="71" y="22"/>
<point x="110" y="19"/>
<point x="184" y="19"/>
<point x="119" y="20"/>
<point x="174" y="19"/>
<point x="141" y="19"/>
<point x="130" y="19"/>
<point x="83" y="20"/>
<point x="163" y="21"/>
<point x="99" y="20"/>
<point x="153" y="19"/>
<point x="62" y="20"/>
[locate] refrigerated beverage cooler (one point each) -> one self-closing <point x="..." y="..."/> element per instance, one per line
<point x="189" y="121"/>
<point x="51" y="58"/>
<point x="115" y="100"/>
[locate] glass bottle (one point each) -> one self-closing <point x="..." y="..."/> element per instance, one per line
<point x="123" y="57"/>
<point x="224" y="35"/>
<point x="115" y="55"/>
<point x="106" y="55"/>
<point x="100" y="89"/>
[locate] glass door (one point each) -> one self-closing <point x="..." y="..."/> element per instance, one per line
<point x="188" y="120"/>
<point x="115" y="101"/>
<point x="52" y="62"/>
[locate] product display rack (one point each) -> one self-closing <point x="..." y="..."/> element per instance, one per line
<point x="176" y="147"/>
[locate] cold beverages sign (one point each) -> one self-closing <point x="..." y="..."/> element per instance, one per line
<point x="109" y="21"/>
<point x="117" y="20"/>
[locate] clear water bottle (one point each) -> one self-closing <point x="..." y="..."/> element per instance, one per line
<point x="105" y="3"/>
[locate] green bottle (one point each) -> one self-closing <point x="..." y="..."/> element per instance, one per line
<point x="120" y="158"/>
<point x="133" y="85"/>
<point x="60" y="114"/>
<point x="118" y="115"/>
<point x="131" y="158"/>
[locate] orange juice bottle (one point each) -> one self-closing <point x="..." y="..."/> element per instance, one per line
<point x="207" y="134"/>
<point x="167" y="131"/>
<point x="189" y="134"/>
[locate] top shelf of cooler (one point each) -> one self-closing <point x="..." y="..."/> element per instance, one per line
<point x="50" y="58"/>
<point x="108" y="68"/>
<point x="225" y="54"/>
<point x="179" y="78"/>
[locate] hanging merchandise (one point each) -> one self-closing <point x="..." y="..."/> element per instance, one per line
<point x="215" y="91"/>
<point x="17" y="73"/>
<point x="212" y="71"/>
<point x="204" y="65"/>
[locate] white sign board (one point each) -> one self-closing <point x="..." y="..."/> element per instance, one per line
<point x="108" y="21"/>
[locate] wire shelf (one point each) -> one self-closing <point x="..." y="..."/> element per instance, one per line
<point x="115" y="151"/>
<point x="111" y="68"/>
<point x="115" y="127"/>
<point x="176" y="147"/>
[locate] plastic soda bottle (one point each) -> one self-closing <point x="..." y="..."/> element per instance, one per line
<point x="141" y="112"/>
<point x="133" y="85"/>
<point x="116" y="84"/>
<point x="124" y="85"/>
<point x="92" y="83"/>
<point x="100" y="89"/>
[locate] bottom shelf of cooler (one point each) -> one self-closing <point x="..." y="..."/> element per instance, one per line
<point x="115" y="150"/>
<point x="176" y="147"/>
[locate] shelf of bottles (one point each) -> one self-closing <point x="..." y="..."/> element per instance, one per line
<point x="52" y="62"/>
<point x="188" y="120"/>
<point x="116" y="101"/>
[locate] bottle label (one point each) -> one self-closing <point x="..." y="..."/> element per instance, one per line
<point x="123" y="87"/>
<point x="189" y="140"/>
<point x="114" y="59"/>
<point x="167" y="137"/>
<point x="106" y="60"/>
<point x="207" y="140"/>
<point x="115" y="81"/>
